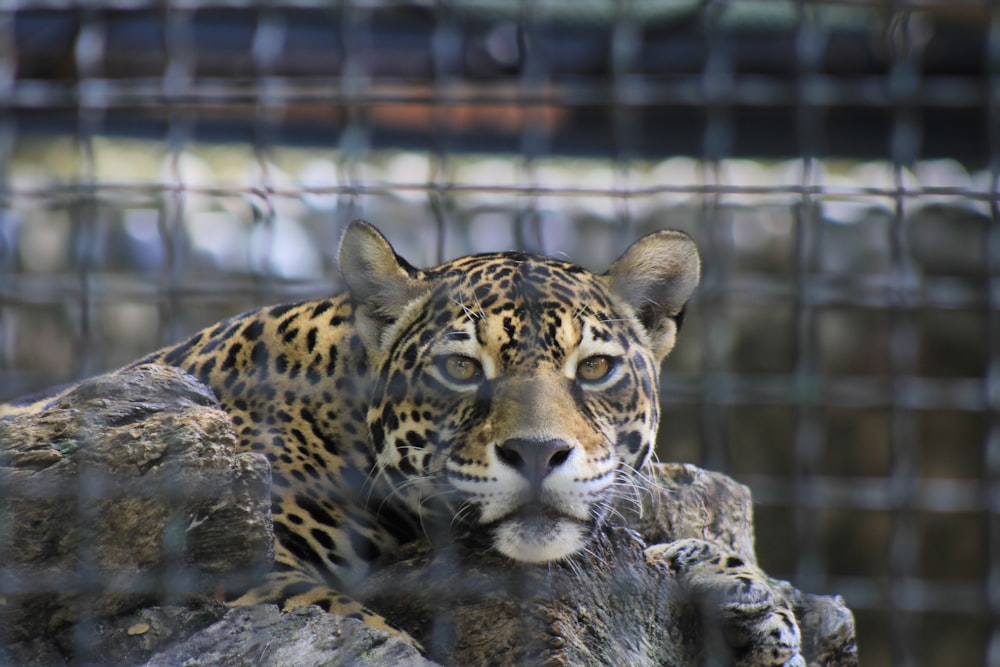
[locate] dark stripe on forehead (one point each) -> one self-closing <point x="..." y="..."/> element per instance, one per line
<point x="501" y="264"/>
<point x="529" y="290"/>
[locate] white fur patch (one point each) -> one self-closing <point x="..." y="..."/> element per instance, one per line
<point x="531" y="541"/>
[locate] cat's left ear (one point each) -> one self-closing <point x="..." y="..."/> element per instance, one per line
<point x="656" y="276"/>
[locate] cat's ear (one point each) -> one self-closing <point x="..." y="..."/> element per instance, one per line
<point x="656" y="276"/>
<point x="380" y="282"/>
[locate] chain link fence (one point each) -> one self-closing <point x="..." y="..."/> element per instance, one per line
<point x="162" y="168"/>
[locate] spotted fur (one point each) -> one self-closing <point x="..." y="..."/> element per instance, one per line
<point x="758" y="626"/>
<point x="508" y="397"/>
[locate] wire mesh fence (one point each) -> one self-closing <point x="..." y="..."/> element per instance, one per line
<point x="165" y="168"/>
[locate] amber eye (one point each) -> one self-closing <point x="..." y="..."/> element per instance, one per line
<point x="461" y="369"/>
<point x="595" y="369"/>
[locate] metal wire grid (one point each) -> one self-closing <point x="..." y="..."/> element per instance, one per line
<point x="179" y="99"/>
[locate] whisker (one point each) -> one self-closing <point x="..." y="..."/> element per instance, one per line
<point x="463" y="512"/>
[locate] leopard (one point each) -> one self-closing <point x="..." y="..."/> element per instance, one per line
<point x="511" y="394"/>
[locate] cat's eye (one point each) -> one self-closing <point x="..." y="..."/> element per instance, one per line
<point x="595" y="369"/>
<point x="461" y="369"/>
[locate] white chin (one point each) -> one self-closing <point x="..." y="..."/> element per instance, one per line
<point x="532" y="541"/>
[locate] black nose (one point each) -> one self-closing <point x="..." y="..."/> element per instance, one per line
<point x="534" y="458"/>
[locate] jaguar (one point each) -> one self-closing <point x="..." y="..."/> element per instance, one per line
<point x="511" y="394"/>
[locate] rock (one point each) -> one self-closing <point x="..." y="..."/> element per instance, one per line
<point x="217" y="636"/>
<point x="608" y="608"/>
<point x="476" y="609"/>
<point x="304" y="637"/>
<point x="126" y="488"/>
<point x="680" y="500"/>
<point x="130" y="486"/>
<point x="130" y="639"/>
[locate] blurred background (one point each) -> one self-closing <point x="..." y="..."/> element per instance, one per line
<point x="165" y="166"/>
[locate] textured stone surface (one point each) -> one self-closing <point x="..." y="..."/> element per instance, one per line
<point x="130" y="639"/>
<point x="306" y="637"/>
<point x="129" y="487"/>
<point x="607" y="609"/>
<point x="682" y="500"/>
<point x="126" y="488"/>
